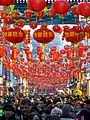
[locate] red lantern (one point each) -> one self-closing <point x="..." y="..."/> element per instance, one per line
<point x="39" y="48"/>
<point x="33" y="24"/>
<point x="84" y="9"/>
<point x="74" y="34"/>
<point x="66" y="47"/>
<point x="41" y="56"/>
<point x="53" y="48"/>
<point x="36" y="5"/>
<point x="40" y="14"/>
<point x="4" y="14"/>
<point x="8" y="20"/>
<point x="14" y="54"/>
<point x="57" y="29"/>
<point x="15" y="14"/>
<point x="51" y="13"/>
<point x="26" y="41"/>
<point x="62" y="51"/>
<point x="15" y="35"/>
<point x="4" y="28"/>
<point x="69" y="54"/>
<point x="80" y="51"/>
<point x="29" y="56"/>
<point x="83" y="69"/>
<point x="56" y="56"/>
<point x="6" y="2"/>
<point x="3" y="51"/>
<point x="61" y="7"/>
<point x="43" y="35"/>
<point x="20" y="23"/>
<point x="28" y="14"/>
<point x="75" y="10"/>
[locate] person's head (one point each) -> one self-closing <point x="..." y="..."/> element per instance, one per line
<point x="58" y="104"/>
<point x="56" y="111"/>
<point x="87" y="103"/>
<point x="25" y="107"/>
<point x="68" y="110"/>
<point x="8" y="110"/>
<point x="41" y="104"/>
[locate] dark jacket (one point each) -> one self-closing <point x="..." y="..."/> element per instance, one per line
<point x="3" y="118"/>
<point x="85" y="114"/>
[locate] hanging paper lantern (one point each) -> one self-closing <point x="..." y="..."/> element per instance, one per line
<point x="15" y="35"/>
<point x="39" y="48"/>
<point x="53" y="48"/>
<point x="84" y="9"/>
<point x="57" y="29"/>
<point x="51" y="13"/>
<point x="6" y="2"/>
<point x="36" y="5"/>
<point x="28" y="14"/>
<point x="40" y="15"/>
<point x="41" y="56"/>
<point x="8" y="20"/>
<point x="15" y="14"/>
<point x="43" y="35"/>
<point x="33" y="24"/>
<point x="74" y="34"/>
<point x="14" y="54"/>
<point x="62" y="51"/>
<point x="4" y="28"/>
<point x="61" y="7"/>
<point x="29" y="55"/>
<point x="56" y="56"/>
<point x="69" y="54"/>
<point x="3" y="51"/>
<point x="4" y="14"/>
<point x="75" y="10"/>
<point x="66" y="47"/>
<point x="26" y="41"/>
<point x="21" y="23"/>
<point x="80" y="52"/>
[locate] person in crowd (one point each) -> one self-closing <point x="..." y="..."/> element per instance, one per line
<point x="56" y="111"/>
<point x="28" y="111"/>
<point x="1" y="110"/>
<point x="53" y="117"/>
<point x="68" y="112"/>
<point x="8" y="110"/>
<point x="85" y="112"/>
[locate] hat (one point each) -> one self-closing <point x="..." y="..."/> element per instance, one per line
<point x="56" y="111"/>
<point x="87" y="101"/>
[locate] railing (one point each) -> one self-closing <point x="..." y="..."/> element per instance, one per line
<point x="51" y="1"/>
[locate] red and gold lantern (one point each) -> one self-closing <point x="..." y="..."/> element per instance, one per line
<point x="28" y="14"/>
<point x="14" y="54"/>
<point x="4" y="14"/>
<point x="15" y="35"/>
<point x="40" y="14"/>
<point x="43" y="35"/>
<point x="15" y="14"/>
<point x="20" y="23"/>
<point x="51" y="13"/>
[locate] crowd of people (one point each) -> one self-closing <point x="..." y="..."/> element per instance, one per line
<point x="49" y="107"/>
